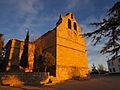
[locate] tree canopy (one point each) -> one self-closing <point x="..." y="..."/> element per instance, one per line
<point x="48" y="60"/>
<point x="44" y="61"/>
<point x="108" y="28"/>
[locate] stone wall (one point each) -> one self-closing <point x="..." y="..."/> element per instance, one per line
<point x="46" y="42"/>
<point x="71" y="72"/>
<point x="67" y="44"/>
<point x="14" y="50"/>
<point x="71" y="56"/>
<point x="31" y="78"/>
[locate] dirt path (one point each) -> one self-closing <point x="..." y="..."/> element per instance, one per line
<point x="103" y="83"/>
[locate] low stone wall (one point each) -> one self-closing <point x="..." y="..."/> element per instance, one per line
<point x="29" y="78"/>
<point x="69" y="72"/>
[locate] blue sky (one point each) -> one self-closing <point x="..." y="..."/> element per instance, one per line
<point x="41" y="15"/>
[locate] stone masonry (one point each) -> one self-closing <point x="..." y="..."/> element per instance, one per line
<point x="67" y="45"/>
<point x="14" y="50"/>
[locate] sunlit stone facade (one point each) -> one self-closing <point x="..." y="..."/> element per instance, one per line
<point x="14" y="50"/>
<point x="67" y="45"/>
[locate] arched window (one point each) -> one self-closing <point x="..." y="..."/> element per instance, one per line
<point x="69" y="23"/>
<point x="75" y="26"/>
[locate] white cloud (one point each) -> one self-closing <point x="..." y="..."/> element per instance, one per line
<point x="74" y="3"/>
<point x="85" y="24"/>
<point x="30" y="9"/>
<point x="27" y="6"/>
<point x="94" y="55"/>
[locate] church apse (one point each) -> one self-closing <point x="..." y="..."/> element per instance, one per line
<point x="14" y="50"/>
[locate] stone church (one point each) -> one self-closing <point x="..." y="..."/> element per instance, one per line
<point x="66" y="44"/>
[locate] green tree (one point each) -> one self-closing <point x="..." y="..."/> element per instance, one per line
<point x="94" y="70"/>
<point x="43" y="61"/>
<point x="24" y="57"/>
<point x="48" y="60"/>
<point x="38" y="55"/>
<point x="108" y="28"/>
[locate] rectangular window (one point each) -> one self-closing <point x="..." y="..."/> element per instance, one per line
<point x="112" y="63"/>
<point x="113" y="69"/>
<point x="110" y="70"/>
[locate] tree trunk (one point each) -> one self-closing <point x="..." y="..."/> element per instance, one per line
<point x="45" y="69"/>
